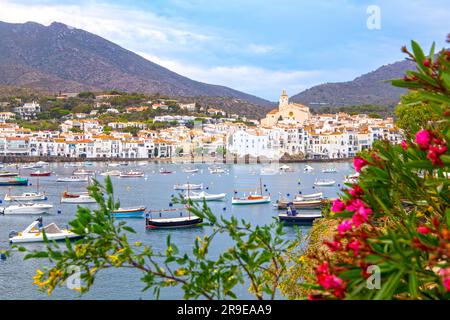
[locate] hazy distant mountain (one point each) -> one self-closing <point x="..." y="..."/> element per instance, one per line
<point x="369" y="88"/>
<point x="62" y="58"/>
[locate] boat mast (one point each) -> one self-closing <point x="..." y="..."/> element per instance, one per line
<point x="260" y="186"/>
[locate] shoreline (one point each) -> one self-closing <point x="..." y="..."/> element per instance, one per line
<point x="175" y="160"/>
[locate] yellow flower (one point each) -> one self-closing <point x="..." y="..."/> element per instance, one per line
<point x="180" y="272"/>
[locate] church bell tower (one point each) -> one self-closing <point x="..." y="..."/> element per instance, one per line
<point x="284" y="100"/>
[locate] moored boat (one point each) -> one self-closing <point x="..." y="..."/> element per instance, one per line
<point x="329" y="170"/>
<point x="26" y="208"/>
<point x="187" y="170"/>
<point x="188" y="186"/>
<point x="172" y="222"/>
<point x="311" y="196"/>
<point x="204" y="196"/>
<point x="83" y="172"/>
<point x="112" y="173"/>
<point x="165" y="171"/>
<point x="14" y="181"/>
<point x="26" y="196"/>
<point x="77" y="198"/>
<point x="216" y="170"/>
<point x="5" y="173"/>
<point x="132" y="174"/>
<point x="133" y="212"/>
<point x="300" y="204"/>
<point x="35" y="233"/>
<point x="251" y="199"/>
<point x="304" y="218"/>
<point x="72" y="179"/>
<point x="40" y="173"/>
<point x="308" y="168"/>
<point x="324" y="183"/>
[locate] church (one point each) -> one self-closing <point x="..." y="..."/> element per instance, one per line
<point x="286" y="112"/>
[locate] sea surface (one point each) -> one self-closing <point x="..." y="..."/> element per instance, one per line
<point x="153" y="191"/>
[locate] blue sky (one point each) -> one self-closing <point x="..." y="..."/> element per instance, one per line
<point x="256" y="46"/>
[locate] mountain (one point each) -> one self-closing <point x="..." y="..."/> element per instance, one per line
<point x="368" y="89"/>
<point x="61" y="58"/>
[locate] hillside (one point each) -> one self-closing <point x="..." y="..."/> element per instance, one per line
<point x="368" y="89"/>
<point x="61" y="58"/>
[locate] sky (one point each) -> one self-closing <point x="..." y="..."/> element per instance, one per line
<point x="255" y="46"/>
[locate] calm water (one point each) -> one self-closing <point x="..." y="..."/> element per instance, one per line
<point x="153" y="191"/>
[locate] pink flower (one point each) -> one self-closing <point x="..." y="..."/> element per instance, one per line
<point x="354" y="205"/>
<point x="404" y="145"/>
<point x="445" y="274"/>
<point x="344" y="226"/>
<point x="338" y="206"/>
<point x="423" y="139"/>
<point x="361" y="215"/>
<point x="423" y="230"/>
<point x="333" y="246"/>
<point x="359" y="163"/>
<point x="434" y="154"/>
<point x="354" y="245"/>
<point x="356" y="191"/>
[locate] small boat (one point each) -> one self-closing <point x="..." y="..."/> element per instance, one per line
<point x="28" y="166"/>
<point x="42" y="164"/>
<point x="5" y="173"/>
<point x="187" y="170"/>
<point x="251" y="199"/>
<point x="300" y="204"/>
<point x="286" y="168"/>
<point x="15" y="181"/>
<point x="123" y="163"/>
<point x="88" y="163"/>
<point x="268" y="171"/>
<point x="72" y="179"/>
<point x="324" y="183"/>
<point x="308" y="168"/>
<point x="177" y="222"/>
<point x="112" y="173"/>
<point x="78" y="198"/>
<point x="26" y="196"/>
<point x="216" y="170"/>
<point x="35" y="233"/>
<point x="188" y="186"/>
<point x="83" y="172"/>
<point x="113" y="164"/>
<point x="26" y="208"/>
<point x="203" y="196"/>
<point x="165" y="171"/>
<point x="142" y="163"/>
<point x="132" y="174"/>
<point x="311" y="196"/>
<point x="135" y="212"/>
<point x="329" y="170"/>
<point x="40" y="173"/>
<point x="306" y="218"/>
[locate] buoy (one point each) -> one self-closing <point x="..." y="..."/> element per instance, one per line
<point x="46" y="198"/>
<point x="170" y="204"/>
<point x="1" y="201"/>
<point x="59" y="211"/>
<point x="313" y="187"/>
<point x="3" y="256"/>
<point x="207" y="188"/>
<point x="266" y="190"/>
<point x="30" y="184"/>
<point x="299" y="183"/>
<point x="288" y="194"/>
<point x="224" y="208"/>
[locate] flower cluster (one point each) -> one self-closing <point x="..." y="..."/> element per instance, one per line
<point x="427" y="141"/>
<point x="329" y="281"/>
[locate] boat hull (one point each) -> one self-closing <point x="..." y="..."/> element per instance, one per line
<point x="238" y="201"/>
<point x="129" y="213"/>
<point x="14" y="182"/>
<point x="300" y="204"/>
<point x="40" y="238"/>
<point x="172" y="223"/>
<point x="299" y="219"/>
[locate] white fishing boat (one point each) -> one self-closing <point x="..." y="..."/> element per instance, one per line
<point x="216" y="170"/>
<point x="83" y="172"/>
<point x="142" y="163"/>
<point x="42" y="164"/>
<point x="132" y="174"/>
<point x="26" y="208"/>
<point x="28" y="166"/>
<point x="77" y="198"/>
<point x="308" y="168"/>
<point x="204" y="196"/>
<point x="72" y="179"/>
<point x="113" y="164"/>
<point x="286" y="168"/>
<point x="35" y="233"/>
<point x="251" y="199"/>
<point x="311" y="196"/>
<point x="187" y="170"/>
<point x="256" y="198"/>
<point x="112" y="173"/>
<point x="329" y="170"/>
<point x="188" y="186"/>
<point x="26" y="196"/>
<point x="324" y="183"/>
